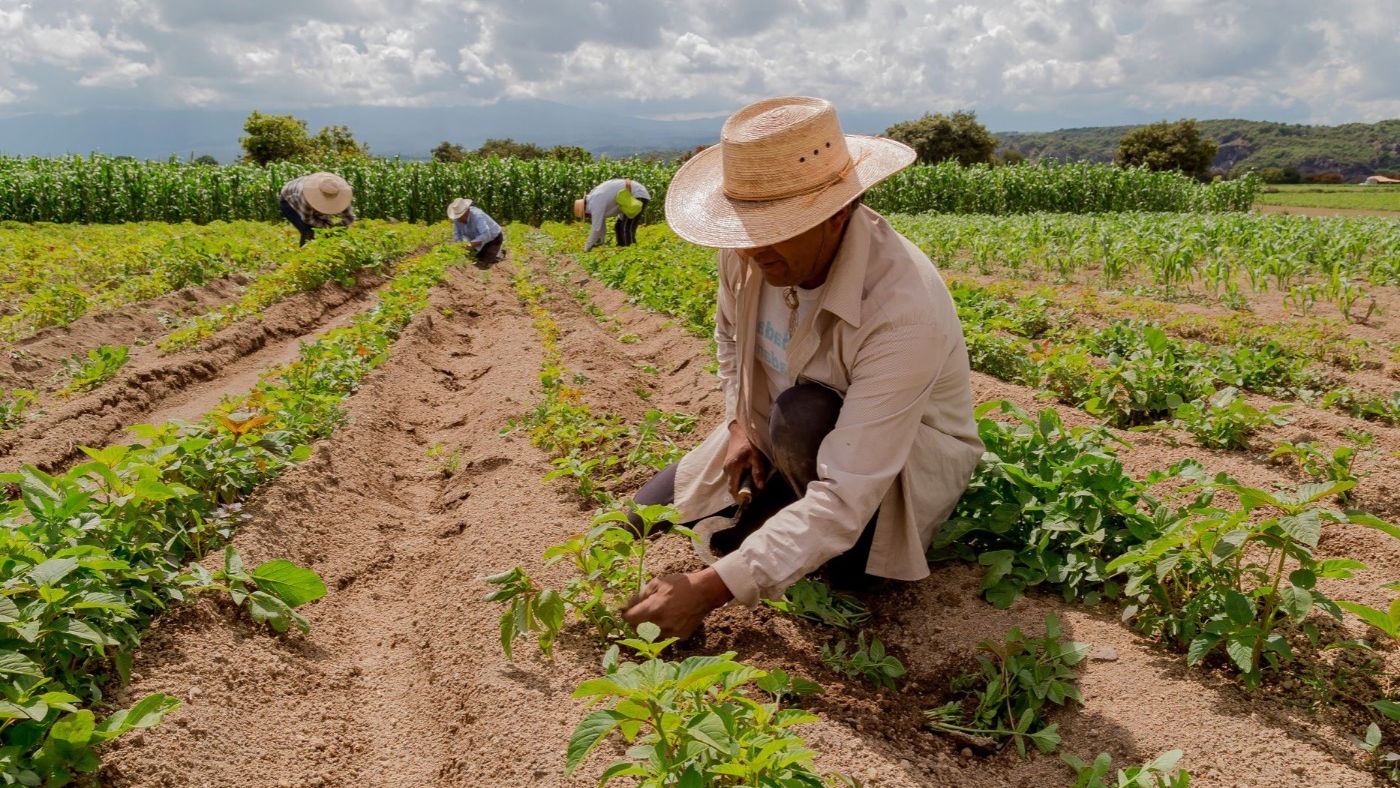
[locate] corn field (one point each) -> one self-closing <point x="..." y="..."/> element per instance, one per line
<point x="106" y="190"/>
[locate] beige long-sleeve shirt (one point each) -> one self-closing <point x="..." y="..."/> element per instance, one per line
<point x="886" y="335"/>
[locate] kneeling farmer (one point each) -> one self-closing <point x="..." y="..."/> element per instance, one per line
<point x="845" y="375"/>
<point x="474" y="227"/>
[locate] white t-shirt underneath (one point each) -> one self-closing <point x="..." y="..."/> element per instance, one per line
<point x="773" y="336"/>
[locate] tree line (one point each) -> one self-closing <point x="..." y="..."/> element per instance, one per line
<point x="936" y="138"/>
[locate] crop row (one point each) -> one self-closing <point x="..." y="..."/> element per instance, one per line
<point x="100" y="189"/>
<point x="92" y="554"/>
<point x="51" y="275"/>
<point x="1313" y="338"/>
<point x="1325" y="258"/>
<point x="337" y="255"/>
<point x="1131" y="372"/>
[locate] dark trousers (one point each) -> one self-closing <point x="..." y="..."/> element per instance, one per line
<point x="295" y="218"/>
<point x="626" y="229"/>
<point x="800" y="419"/>
<point x="490" y="252"/>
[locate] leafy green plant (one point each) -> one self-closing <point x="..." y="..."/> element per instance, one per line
<point x="610" y="568"/>
<point x="86" y="373"/>
<point x="1314" y="460"/>
<point x="271" y="592"/>
<point x="1379" y="759"/>
<point x="1160" y="772"/>
<point x="1229" y="579"/>
<point x="690" y="724"/>
<point x="14" y="408"/>
<point x="1048" y="505"/>
<point x="446" y="461"/>
<point x="863" y="660"/>
<point x="1224" y="420"/>
<point x="815" y="601"/>
<point x="1017" y="683"/>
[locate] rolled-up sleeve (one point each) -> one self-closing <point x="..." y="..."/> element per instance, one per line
<point x="891" y="379"/>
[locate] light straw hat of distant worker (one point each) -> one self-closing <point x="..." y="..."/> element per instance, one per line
<point x="782" y="167"/>
<point x="458" y="207"/>
<point x="326" y="192"/>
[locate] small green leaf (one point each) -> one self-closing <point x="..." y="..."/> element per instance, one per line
<point x="292" y="584"/>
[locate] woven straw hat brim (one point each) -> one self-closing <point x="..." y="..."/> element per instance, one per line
<point x="311" y="192"/>
<point x="458" y="207"/>
<point x="698" y="210"/>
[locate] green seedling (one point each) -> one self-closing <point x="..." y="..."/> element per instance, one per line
<point x="14" y="408"/>
<point x="85" y="373"/>
<point x="814" y="601"/>
<point x="864" y="661"/>
<point x="609" y="562"/>
<point x="691" y="724"/>
<point x="271" y="592"/>
<point x="1225" y="421"/>
<point x="1159" y="773"/>
<point x="1019" y="681"/>
<point x="446" y="462"/>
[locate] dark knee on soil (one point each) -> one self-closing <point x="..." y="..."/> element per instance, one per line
<point x="800" y="419"/>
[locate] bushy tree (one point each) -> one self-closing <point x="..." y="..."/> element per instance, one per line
<point x="336" y="142"/>
<point x="940" y="137"/>
<point x="274" y="138"/>
<point x="207" y="159"/>
<point x="508" y="148"/>
<point x="1168" y="146"/>
<point x="449" y="152"/>
<point x="570" y="153"/>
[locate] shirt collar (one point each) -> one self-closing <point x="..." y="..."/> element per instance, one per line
<point x="845" y="284"/>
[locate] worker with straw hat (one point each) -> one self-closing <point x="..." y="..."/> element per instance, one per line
<point x="620" y="197"/>
<point x="848" y="433"/>
<point x="311" y="200"/>
<point x="474" y="227"/>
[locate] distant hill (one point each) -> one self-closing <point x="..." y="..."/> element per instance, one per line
<point x="1354" y="149"/>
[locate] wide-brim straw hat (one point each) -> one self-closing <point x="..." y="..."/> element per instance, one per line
<point x="578" y="208"/>
<point x="782" y="167"/>
<point x="326" y="192"/>
<point x="458" y="207"/>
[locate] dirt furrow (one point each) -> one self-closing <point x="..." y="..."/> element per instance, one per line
<point x="154" y="387"/>
<point x="31" y="361"/>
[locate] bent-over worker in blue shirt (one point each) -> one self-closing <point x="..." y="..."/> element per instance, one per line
<point x="472" y="226"/>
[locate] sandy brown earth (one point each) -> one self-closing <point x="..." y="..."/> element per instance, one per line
<point x="30" y="362"/>
<point x="402" y="683"/>
<point x="155" y="387"/>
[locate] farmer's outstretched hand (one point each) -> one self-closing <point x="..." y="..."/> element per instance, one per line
<point x="678" y="603"/>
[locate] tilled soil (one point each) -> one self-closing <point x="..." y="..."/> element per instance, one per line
<point x="155" y="387"/>
<point x="401" y="681"/>
<point x="31" y="361"/>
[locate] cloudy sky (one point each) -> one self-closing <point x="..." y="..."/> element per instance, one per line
<point x="1022" y="64"/>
